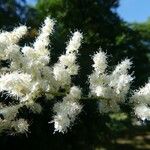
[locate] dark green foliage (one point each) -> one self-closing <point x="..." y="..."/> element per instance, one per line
<point x="144" y="31"/>
<point x="11" y="12"/>
<point x="15" y="12"/>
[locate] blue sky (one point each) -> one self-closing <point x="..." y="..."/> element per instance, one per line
<point x="129" y="10"/>
<point x="32" y="2"/>
<point x="134" y="10"/>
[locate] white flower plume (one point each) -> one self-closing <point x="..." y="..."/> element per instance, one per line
<point x="100" y="62"/>
<point x="74" y="43"/>
<point x="67" y="110"/>
<point x="15" y="83"/>
<point x="110" y="88"/>
<point x="66" y="65"/>
<point x="10" y="38"/>
<point x="141" y="99"/>
<point x="142" y="111"/>
<point x="28" y="77"/>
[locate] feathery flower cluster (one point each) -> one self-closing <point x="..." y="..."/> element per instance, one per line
<point x="10" y="38"/>
<point x="141" y="99"/>
<point x="67" y="63"/>
<point x="111" y="89"/>
<point x="67" y="110"/>
<point x="29" y="77"/>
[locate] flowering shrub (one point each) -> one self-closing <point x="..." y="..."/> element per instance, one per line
<point x="29" y="76"/>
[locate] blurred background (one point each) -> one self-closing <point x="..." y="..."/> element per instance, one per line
<point x="122" y="29"/>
